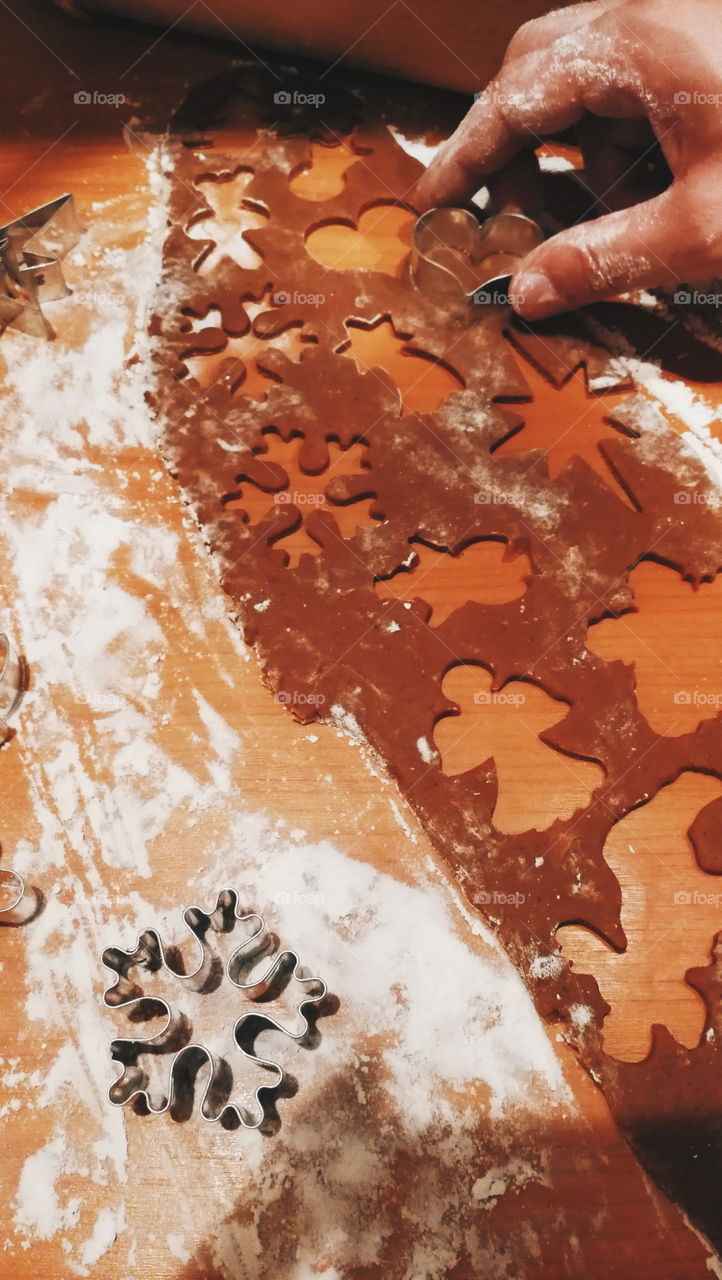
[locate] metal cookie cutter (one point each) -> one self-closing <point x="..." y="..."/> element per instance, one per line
<point x="14" y="679"/>
<point x="13" y="682"/>
<point x="458" y="261"/>
<point x="26" y="903"/>
<point x="30" y="251"/>
<point x="160" y="1070"/>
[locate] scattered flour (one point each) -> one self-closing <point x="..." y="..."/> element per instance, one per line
<point x="581" y="1015"/>
<point x="39" y="1211"/>
<point x="429" y="1008"/>
<point x="107" y="1227"/>
<point x="497" y="1181"/>
<point x="543" y="968"/>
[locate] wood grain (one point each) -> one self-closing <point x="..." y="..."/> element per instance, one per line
<point x="312" y="780"/>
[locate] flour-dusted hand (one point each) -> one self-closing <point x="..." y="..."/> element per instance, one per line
<point x="629" y="74"/>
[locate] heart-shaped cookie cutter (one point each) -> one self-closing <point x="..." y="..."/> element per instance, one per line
<point x="458" y="261"/>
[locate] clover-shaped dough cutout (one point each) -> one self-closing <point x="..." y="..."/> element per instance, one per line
<point x="536" y="783"/>
<point x="323" y="177"/>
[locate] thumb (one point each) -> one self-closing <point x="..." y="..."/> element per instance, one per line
<point x="648" y="245"/>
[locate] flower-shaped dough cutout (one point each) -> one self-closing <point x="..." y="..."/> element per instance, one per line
<point x="304" y="490"/>
<point x="536" y="783"/>
<point x="211" y="349"/>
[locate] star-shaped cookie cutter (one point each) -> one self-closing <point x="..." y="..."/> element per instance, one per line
<point x="186" y="1055"/>
<point x="30" y="251"/>
<point x="459" y="262"/>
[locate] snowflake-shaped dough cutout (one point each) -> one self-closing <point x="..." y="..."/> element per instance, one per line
<point x="303" y="488"/>
<point x="190" y="1031"/>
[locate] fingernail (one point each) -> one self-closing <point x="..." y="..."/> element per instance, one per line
<point x="535" y="296"/>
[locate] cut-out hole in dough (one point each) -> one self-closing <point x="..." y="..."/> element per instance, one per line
<point x="305" y="492"/>
<point x="380" y="242"/>
<point x="424" y="383"/>
<point x="566" y="422"/>
<point x="671" y="910"/>
<point x="205" y="368"/>
<point x="229" y="220"/>
<point x="674" y="641"/>
<point x="537" y="784"/>
<point x="483" y="572"/>
<point x="322" y="179"/>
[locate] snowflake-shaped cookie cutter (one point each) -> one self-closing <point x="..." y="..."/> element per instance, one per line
<point x="188" y="1053"/>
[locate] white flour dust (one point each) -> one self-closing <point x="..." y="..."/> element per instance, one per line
<point x="435" y="1033"/>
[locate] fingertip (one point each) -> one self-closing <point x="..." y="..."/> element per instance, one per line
<point x="535" y="296"/>
<point x="422" y="195"/>
<point x="434" y="186"/>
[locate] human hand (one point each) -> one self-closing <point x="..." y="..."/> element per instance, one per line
<point x="629" y="74"/>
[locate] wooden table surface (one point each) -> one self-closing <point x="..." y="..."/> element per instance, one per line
<point x="116" y="836"/>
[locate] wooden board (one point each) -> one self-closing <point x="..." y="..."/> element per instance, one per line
<point x="204" y="714"/>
